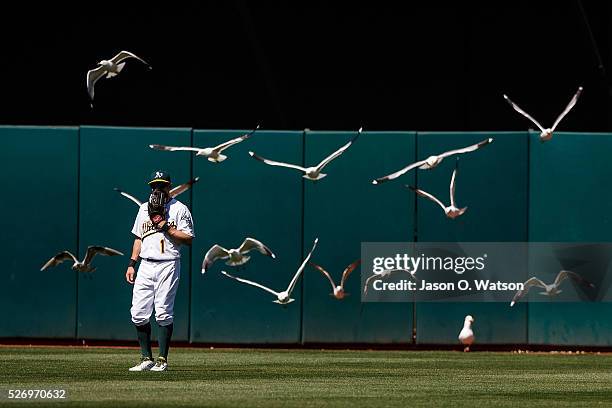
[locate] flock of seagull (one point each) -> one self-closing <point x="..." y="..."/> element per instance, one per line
<point x="239" y="256"/>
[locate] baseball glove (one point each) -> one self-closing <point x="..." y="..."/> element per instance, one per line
<point x="157" y="206"/>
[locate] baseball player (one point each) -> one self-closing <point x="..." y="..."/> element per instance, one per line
<point x="162" y="225"/>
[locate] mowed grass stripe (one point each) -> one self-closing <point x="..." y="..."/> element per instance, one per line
<point x="310" y="378"/>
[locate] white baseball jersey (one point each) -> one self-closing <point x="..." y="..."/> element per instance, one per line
<point x="155" y="244"/>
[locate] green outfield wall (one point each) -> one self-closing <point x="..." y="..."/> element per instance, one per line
<point x="60" y="197"/>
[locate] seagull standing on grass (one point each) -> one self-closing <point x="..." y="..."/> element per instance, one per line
<point x="338" y="290"/>
<point x="173" y="193"/>
<point x="310" y="173"/>
<point x="547" y="134"/>
<point x="85" y="265"/>
<point x="466" y="336"/>
<point x="236" y="256"/>
<point x="213" y="154"/>
<point x="451" y="211"/>
<point x="553" y="288"/>
<point x="432" y="161"/>
<point x="110" y="68"/>
<point x="283" y="297"/>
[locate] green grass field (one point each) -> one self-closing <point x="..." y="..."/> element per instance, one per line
<point x="96" y="377"/>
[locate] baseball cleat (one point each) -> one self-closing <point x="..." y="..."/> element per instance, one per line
<point x="145" y="364"/>
<point x="160" y="365"/>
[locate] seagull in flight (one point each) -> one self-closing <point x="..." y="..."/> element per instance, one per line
<point x="310" y="173"/>
<point x="110" y="68"/>
<point x="553" y="288"/>
<point x="386" y="273"/>
<point x="338" y="290"/>
<point x="173" y="193"/>
<point x="236" y="256"/>
<point x="432" y="161"/>
<point x="213" y="154"/>
<point x="283" y="297"/>
<point x="451" y="211"/>
<point x="85" y="265"/>
<point x="466" y="335"/>
<point x="547" y="134"/>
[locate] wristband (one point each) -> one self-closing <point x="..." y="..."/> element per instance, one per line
<point x="165" y="228"/>
<point x="132" y="263"/>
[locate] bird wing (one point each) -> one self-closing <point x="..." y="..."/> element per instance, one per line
<point x="467" y="149"/>
<point x="325" y="273"/>
<point x="562" y="275"/>
<point x="526" y="286"/>
<point x="129" y="196"/>
<point x="92" y="77"/>
<point x="348" y="271"/>
<point x="174" y="148"/>
<point x="452" y="184"/>
<point x="95" y="250"/>
<point x="251" y="243"/>
<point x="427" y="195"/>
<point x="367" y="283"/>
<point x="275" y="163"/>
<point x="398" y="173"/>
<point x="183" y="187"/>
<point x="214" y="253"/>
<point x="525" y="114"/>
<point x="301" y="268"/>
<point x="568" y="108"/>
<point x="123" y="55"/>
<point x="386" y="273"/>
<point x="338" y="152"/>
<point x="248" y="282"/>
<point x="58" y="259"/>
<point x="533" y="281"/>
<point x="225" y="145"/>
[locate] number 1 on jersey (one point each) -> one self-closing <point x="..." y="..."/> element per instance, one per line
<point x="161" y="244"/>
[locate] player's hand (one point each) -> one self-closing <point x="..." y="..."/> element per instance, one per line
<point x="129" y="274"/>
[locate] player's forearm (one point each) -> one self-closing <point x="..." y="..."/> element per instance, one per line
<point x="180" y="236"/>
<point x="136" y="249"/>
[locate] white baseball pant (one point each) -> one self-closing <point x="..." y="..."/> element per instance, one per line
<point x="155" y="285"/>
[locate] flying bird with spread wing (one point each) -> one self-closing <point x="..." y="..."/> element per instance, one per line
<point x="338" y="291"/>
<point x="237" y="256"/>
<point x="283" y="297"/>
<point x="553" y="288"/>
<point x="173" y="193"/>
<point x="213" y="154"/>
<point x="310" y="173"/>
<point x="385" y="274"/>
<point x="432" y="161"/>
<point x="547" y="134"/>
<point x="110" y="68"/>
<point x="81" y="266"/>
<point x="451" y="211"/>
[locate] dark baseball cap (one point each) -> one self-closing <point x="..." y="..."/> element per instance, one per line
<point x="160" y="176"/>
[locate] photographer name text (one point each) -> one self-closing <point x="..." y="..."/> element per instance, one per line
<point x="464" y="284"/>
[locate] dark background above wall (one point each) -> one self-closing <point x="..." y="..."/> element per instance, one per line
<point x="321" y="65"/>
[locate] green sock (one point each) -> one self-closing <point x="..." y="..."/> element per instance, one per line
<point x="165" y="334"/>
<point x="144" y="339"/>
